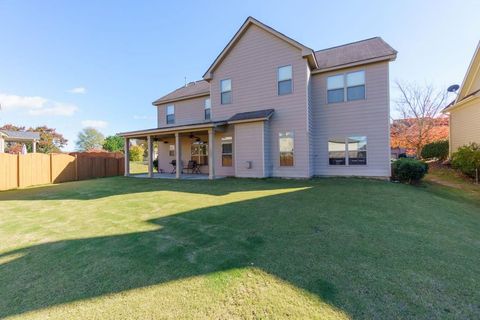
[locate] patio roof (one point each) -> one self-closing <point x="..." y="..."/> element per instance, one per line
<point x="20" y="136"/>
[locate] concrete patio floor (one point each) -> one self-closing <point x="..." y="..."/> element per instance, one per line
<point x="185" y="176"/>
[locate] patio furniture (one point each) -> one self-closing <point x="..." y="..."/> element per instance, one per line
<point x="174" y="164"/>
<point x="193" y="166"/>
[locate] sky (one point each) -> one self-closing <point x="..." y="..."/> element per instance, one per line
<point x="73" y="64"/>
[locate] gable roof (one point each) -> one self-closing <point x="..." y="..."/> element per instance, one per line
<point x="193" y="89"/>
<point x="466" y="91"/>
<point x="360" y="52"/>
<point x="306" y="51"/>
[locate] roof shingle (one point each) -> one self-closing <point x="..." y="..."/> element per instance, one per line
<point x="251" y="115"/>
<point x="21" y="135"/>
<point x="191" y="89"/>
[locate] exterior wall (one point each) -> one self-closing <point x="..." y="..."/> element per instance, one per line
<point x="186" y="111"/>
<point x="369" y="117"/>
<point x="219" y="169"/>
<point x="252" y="66"/>
<point x="464" y="124"/>
<point x="266" y="149"/>
<point x="164" y="158"/>
<point x="248" y="146"/>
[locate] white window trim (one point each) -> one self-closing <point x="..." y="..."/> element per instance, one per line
<point x="345" y="87"/>
<point x="226" y="154"/>
<point x="205" y="108"/>
<point x="166" y="113"/>
<point x="278" y="80"/>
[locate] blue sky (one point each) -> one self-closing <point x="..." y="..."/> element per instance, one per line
<point x="69" y="64"/>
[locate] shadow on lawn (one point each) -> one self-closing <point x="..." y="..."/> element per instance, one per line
<point x="316" y="253"/>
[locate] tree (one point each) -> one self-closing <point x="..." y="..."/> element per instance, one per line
<point x="89" y="139"/>
<point x="50" y="140"/>
<point x="113" y="143"/>
<point x="420" y="109"/>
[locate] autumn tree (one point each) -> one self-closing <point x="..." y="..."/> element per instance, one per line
<point x="50" y="140"/>
<point x="419" y="107"/>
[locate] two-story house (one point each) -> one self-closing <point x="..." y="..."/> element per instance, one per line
<point x="268" y="106"/>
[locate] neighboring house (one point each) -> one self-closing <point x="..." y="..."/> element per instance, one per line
<point x="268" y="106"/>
<point x="464" y="111"/>
<point x="19" y="137"/>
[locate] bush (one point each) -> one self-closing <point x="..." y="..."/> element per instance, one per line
<point x="437" y="149"/>
<point x="409" y="170"/>
<point x="155" y="164"/>
<point x="136" y="153"/>
<point x="467" y="159"/>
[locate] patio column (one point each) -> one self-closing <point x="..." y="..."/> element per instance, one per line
<point x="178" y="156"/>
<point x="127" y="157"/>
<point x="34" y="146"/>
<point x="150" y="156"/>
<point x="211" y="154"/>
<point x="2" y="144"/>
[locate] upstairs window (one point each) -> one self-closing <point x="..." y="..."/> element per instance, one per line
<point x="170" y="114"/>
<point x="226" y="91"/>
<point x="286" y="144"/>
<point x="346" y="87"/>
<point x="208" y="108"/>
<point x="335" y="89"/>
<point x="227" y="151"/>
<point x="356" y="86"/>
<point x="284" y="80"/>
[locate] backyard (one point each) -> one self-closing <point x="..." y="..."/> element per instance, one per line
<point x="325" y="248"/>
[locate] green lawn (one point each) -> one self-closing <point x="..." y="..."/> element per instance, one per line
<point x="127" y="248"/>
<point x="138" y="167"/>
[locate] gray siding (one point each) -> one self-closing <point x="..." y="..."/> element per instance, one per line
<point x="186" y="111"/>
<point x="369" y="117"/>
<point x="252" y="65"/>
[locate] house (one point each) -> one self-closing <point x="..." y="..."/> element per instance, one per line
<point x="269" y="106"/>
<point x="464" y="111"/>
<point x="19" y="137"/>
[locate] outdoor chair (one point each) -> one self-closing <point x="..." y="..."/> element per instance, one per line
<point x="174" y="164"/>
<point x="193" y="166"/>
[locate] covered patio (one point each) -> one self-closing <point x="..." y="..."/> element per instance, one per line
<point x="173" y="145"/>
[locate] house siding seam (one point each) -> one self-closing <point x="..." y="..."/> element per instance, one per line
<point x="369" y="117"/>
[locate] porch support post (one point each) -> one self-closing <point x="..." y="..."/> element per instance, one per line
<point x="2" y="144"/>
<point x="178" y="155"/>
<point x="211" y="154"/>
<point x="34" y="146"/>
<point x="127" y="157"/>
<point x="150" y="156"/>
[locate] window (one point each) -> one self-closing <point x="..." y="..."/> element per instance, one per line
<point x="285" y="141"/>
<point x="199" y="152"/>
<point x="357" y="150"/>
<point x="335" y="89"/>
<point x="336" y="151"/>
<point x="351" y="150"/>
<point x="284" y="79"/>
<point x="208" y="108"/>
<point x="226" y="91"/>
<point x="346" y="87"/>
<point x="227" y="151"/>
<point x="356" y="86"/>
<point x="170" y="114"/>
<point x="171" y="150"/>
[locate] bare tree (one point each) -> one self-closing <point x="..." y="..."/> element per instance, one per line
<point x="420" y="108"/>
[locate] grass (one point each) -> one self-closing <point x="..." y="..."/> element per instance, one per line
<point x="138" y="167"/>
<point x="452" y="178"/>
<point x="132" y="248"/>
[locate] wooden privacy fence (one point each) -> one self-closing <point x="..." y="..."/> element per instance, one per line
<point x="18" y="171"/>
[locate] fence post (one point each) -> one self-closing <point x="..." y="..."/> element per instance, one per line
<point x="51" y="167"/>
<point x="76" y="167"/>
<point x="18" y="170"/>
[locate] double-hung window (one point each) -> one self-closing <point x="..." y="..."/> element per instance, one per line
<point x="346" y="87"/>
<point x="208" y="108"/>
<point x="286" y="145"/>
<point x="170" y="111"/>
<point x="284" y="80"/>
<point x="226" y="91"/>
<point x="350" y="150"/>
<point x="227" y="151"/>
<point x="171" y="150"/>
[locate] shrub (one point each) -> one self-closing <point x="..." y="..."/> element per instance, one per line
<point x="437" y="149"/>
<point x="409" y="170"/>
<point x="467" y="159"/>
<point x="136" y="153"/>
<point x="155" y="164"/>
